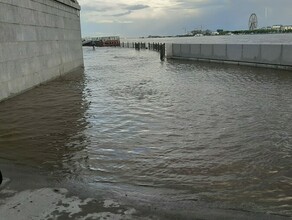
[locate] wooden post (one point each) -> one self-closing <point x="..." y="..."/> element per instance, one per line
<point x="162" y="52"/>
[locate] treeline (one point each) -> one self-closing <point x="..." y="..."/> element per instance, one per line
<point x="261" y="31"/>
<point x="223" y="32"/>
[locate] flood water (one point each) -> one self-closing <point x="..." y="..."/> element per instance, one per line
<point x="219" y="134"/>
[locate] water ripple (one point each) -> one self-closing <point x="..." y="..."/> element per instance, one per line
<point x="218" y="133"/>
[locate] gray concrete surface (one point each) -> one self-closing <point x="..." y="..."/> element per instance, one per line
<point x="39" y="41"/>
<point x="260" y="55"/>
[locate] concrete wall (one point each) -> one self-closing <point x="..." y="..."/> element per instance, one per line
<point x="264" y="55"/>
<point x="39" y="40"/>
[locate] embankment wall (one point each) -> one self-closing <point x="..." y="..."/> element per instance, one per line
<point x="39" y="41"/>
<point x="262" y="55"/>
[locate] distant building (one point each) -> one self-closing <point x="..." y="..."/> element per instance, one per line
<point x="277" y="27"/>
<point x="287" y="27"/>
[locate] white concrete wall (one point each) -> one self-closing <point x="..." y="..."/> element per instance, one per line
<point x="39" y="40"/>
<point x="275" y="55"/>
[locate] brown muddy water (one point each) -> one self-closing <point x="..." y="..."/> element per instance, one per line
<point x="218" y="135"/>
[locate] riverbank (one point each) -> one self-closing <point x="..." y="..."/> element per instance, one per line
<point x="257" y="55"/>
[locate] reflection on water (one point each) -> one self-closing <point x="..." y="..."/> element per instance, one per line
<point x="220" y="133"/>
<point x="44" y="127"/>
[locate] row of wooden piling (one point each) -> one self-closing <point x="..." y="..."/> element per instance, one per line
<point x="159" y="47"/>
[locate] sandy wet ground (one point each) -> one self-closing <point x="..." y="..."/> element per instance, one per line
<point x="25" y="194"/>
<point x="49" y="203"/>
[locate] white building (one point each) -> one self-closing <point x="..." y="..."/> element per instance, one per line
<point x="276" y="27"/>
<point x="287" y="27"/>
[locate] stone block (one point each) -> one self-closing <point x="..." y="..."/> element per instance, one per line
<point x="4" y="90"/>
<point x="286" y="55"/>
<point x="185" y="50"/>
<point x="26" y="16"/>
<point x="2" y="45"/>
<point x="234" y="52"/>
<point x="176" y="50"/>
<point x="9" y="14"/>
<point x="7" y="32"/>
<point x="207" y="50"/>
<point x="220" y="51"/>
<point x="251" y="53"/>
<point x="4" y="75"/>
<point x="9" y="69"/>
<point x="168" y="50"/>
<point x="195" y="50"/>
<point x="16" y="85"/>
<point x="271" y="54"/>
<point x="9" y="51"/>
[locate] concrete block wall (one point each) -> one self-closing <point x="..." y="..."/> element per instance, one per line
<point x="269" y="55"/>
<point x="39" y="41"/>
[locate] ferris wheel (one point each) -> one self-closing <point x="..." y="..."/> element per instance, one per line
<point x="253" y="22"/>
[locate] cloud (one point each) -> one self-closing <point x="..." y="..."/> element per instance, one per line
<point x="109" y="12"/>
<point x="122" y="14"/>
<point x="171" y="17"/>
<point x="130" y="9"/>
<point x="136" y="7"/>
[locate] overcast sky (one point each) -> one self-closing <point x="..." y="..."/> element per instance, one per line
<point x="135" y="18"/>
